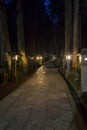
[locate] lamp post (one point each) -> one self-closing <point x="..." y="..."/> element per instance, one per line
<point x="39" y="59"/>
<point x="15" y="58"/>
<point x="68" y="62"/>
<point x="14" y="66"/>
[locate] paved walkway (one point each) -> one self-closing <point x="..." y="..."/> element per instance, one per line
<point x="41" y="103"/>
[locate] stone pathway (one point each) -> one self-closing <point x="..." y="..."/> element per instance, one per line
<point x="41" y="103"/>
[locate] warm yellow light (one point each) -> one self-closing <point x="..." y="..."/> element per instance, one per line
<point x="85" y="59"/>
<point x="13" y="58"/>
<point x="37" y="57"/>
<point x="80" y="58"/>
<point x="68" y="57"/>
<point x="16" y="57"/>
<point x="41" y="57"/>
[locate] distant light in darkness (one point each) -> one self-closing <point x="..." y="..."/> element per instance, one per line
<point x="47" y="2"/>
<point x="7" y="1"/>
<point x="47" y="9"/>
<point x="54" y="17"/>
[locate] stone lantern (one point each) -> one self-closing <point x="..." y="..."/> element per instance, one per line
<point x="68" y="64"/>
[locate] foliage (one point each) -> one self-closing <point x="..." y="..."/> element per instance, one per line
<point x="75" y="79"/>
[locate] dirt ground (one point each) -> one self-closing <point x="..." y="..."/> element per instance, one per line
<point x="12" y="85"/>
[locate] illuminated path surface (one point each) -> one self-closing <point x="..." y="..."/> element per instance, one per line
<point x="41" y="103"/>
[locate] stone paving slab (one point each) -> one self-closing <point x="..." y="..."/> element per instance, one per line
<point x="41" y="103"/>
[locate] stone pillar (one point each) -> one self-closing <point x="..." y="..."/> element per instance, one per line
<point x="76" y="30"/>
<point x="84" y="71"/>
